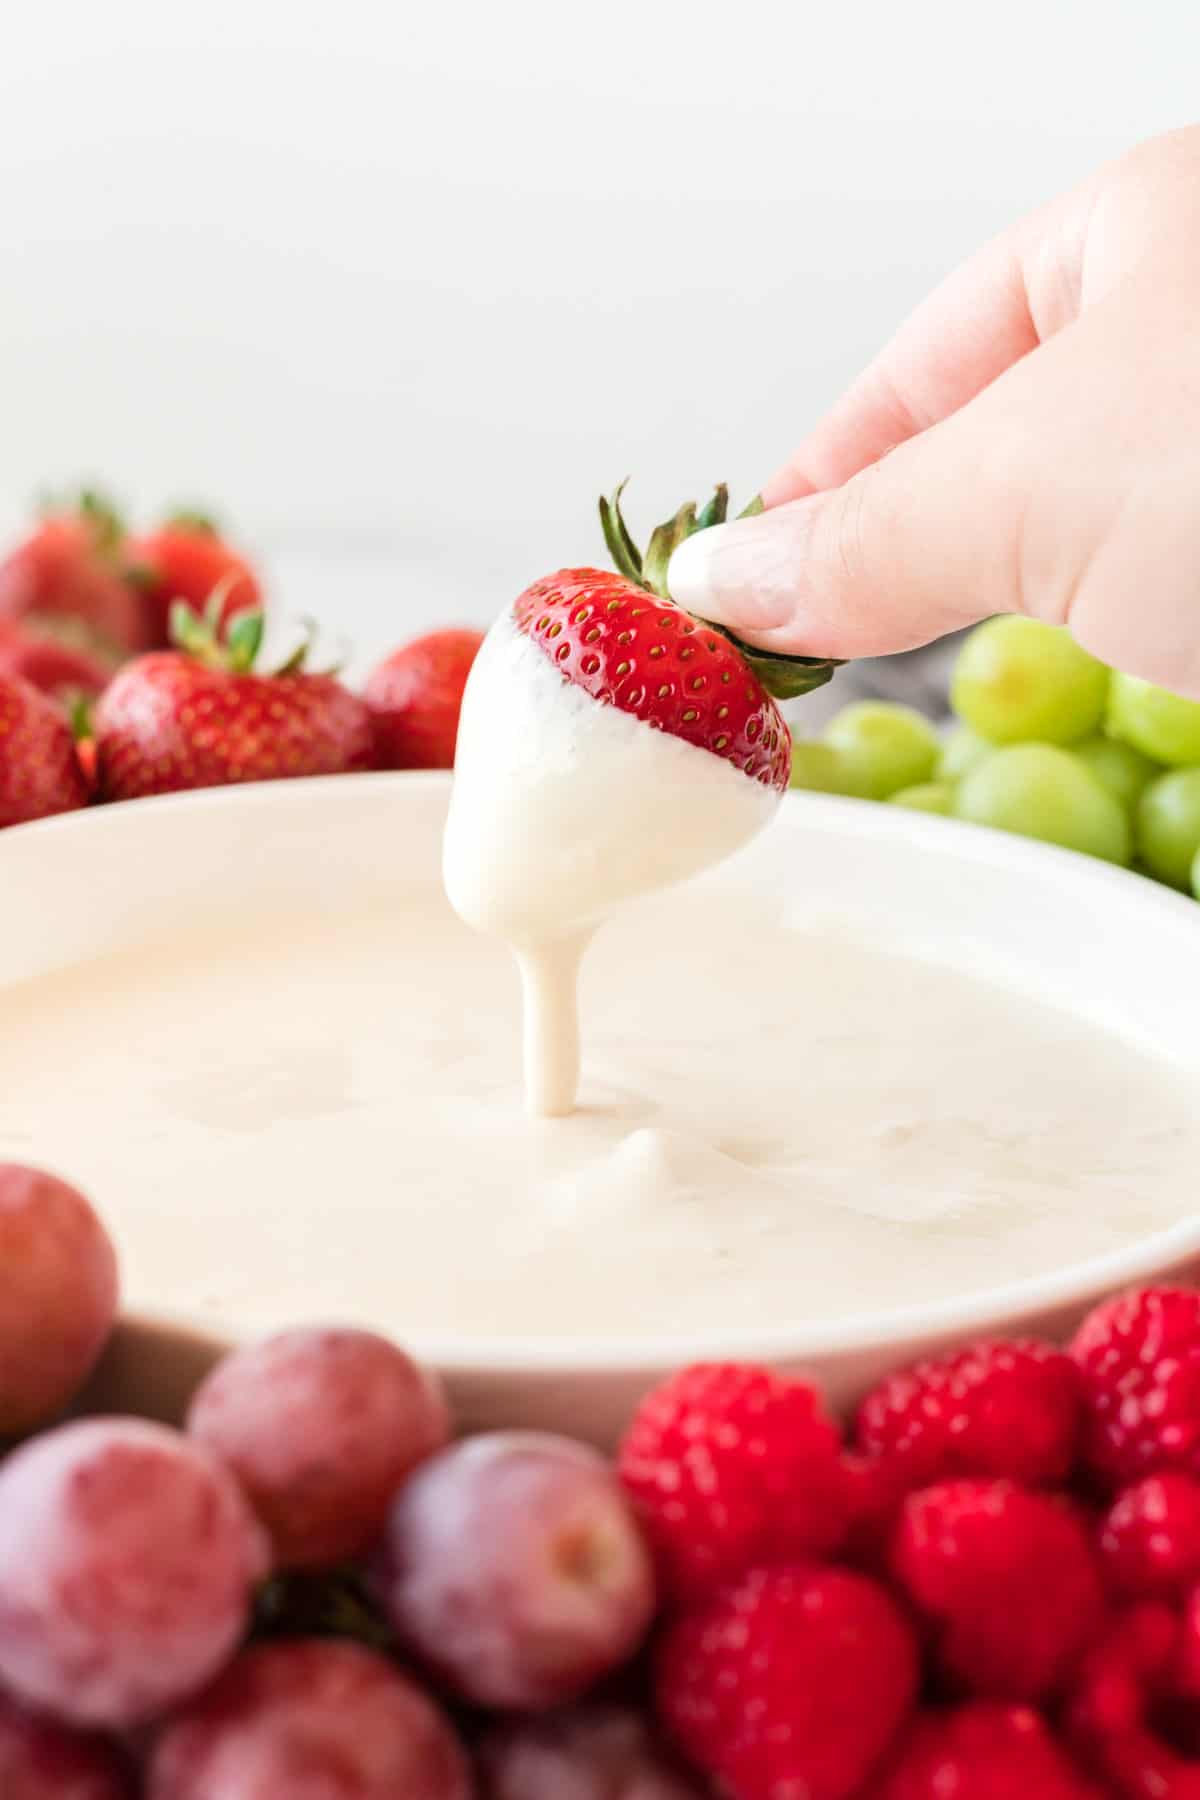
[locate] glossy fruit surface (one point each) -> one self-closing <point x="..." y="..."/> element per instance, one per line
<point x="1040" y="791"/>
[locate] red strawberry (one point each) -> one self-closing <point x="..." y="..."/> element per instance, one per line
<point x="188" y="559"/>
<point x="200" y="717"/>
<point x="56" y="668"/>
<point x="415" y="697"/>
<point x="623" y="640"/>
<point x="67" y="580"/>
<point x="39" y="771"/>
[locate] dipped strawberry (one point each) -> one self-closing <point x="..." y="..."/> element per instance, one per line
<point x="610" y="744"/>
<point x="68" y="580"/>
<point x="415" y="696"/>
<point x="596" y="699"/>
<point x="201" y="716"/>
<point x="188" y="558"/>
<point x="39" y="772"/>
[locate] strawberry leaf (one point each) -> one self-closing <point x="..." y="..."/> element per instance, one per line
<point x="784" y="677"/>
<point x="243" y="641"/>
<point x="191" y="519"/>
<point x="190" y="631"/>
<point x="715" y="512"/>
<point x="621" y="547"/>
<point x="79" y="712"/>
<point x="663" y="542"/>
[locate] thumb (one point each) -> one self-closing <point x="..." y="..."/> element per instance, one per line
<point x="916" y="545"/>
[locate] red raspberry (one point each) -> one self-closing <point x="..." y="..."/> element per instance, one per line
<point x="874" y="1495"/>
<point x="1007" y="1581"/>
<point x="792" y="1683"/>
<point x="1150" y="1537"/>
<point x="1127" y="1689"/>
<point x="731" y="1465"/>
<point x="1140" y="1359"/>
<point x="995" y="1409"/>
<point x="982" y="1751"/>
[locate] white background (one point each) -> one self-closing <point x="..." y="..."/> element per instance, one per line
<point x="403" y="286"/>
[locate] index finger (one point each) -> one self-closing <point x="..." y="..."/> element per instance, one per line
<point x="1019" y="289"/>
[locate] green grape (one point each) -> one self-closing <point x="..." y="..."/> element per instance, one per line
<point x="1120" y="768"/>
<point x="1167" y="827"/>
<point x="1196" y="876"/>
<point x="1043" y="792"/>
<point x="1017" y="680"/>
<point x="1162" y="725"/>
<point x="884" y="747"/>
<point x="926" y="796"/>
<point x="962" y="748"/>
<point x="819" y="768"/>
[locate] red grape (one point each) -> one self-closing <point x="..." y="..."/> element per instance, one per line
<point x="58" y="1295"/>
<point x="513" y="1567"/>
<point x="41" y="1761"/>
<point x="601" y="1753"/>
<point x="309" y="1719"/>
<point x="320" y="1427"/>
<point x="127" y="1558"/>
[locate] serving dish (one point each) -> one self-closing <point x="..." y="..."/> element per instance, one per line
<point x="1108" y="947"/>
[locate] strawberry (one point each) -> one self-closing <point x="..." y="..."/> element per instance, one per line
<point x="58" y="669"/>
<point x="200" y="716"/>
<point x="39" y="772"/>
<point x="415" y="697"/>
<point x="187" y="558"/>
<point x="67" y="580"/>
<point x="623" y="640"/>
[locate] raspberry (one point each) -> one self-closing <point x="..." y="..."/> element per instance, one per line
<point x="982" y="1751"/>
<point x="791" y="1683"/>
<point x="1007" y="1581"/>
<point x="1150" y="1537"/>
<point x="997" y="1409"/>
<point x="1140" y="1359"/>
<point x="874" y="1495"/>
<point x="732" y="1465"/>
<point x="1127" y="1693"/>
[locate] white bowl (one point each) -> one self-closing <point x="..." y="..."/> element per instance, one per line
<point x="1110" y="947"/>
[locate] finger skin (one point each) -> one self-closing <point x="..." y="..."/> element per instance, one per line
<point x="1028" y="284"/>
<point x="1026" y="443"/>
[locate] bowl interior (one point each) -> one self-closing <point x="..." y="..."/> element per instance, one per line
<point x="1103" y="945"/>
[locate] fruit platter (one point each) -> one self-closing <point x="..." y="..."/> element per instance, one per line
<point x="563" y="1239"/>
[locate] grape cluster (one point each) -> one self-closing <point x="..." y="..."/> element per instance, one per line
<point x="309" y="1589"/>
<point x="1049" y="744"/>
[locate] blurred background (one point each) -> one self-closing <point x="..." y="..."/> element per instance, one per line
<point x="399" y="289"/>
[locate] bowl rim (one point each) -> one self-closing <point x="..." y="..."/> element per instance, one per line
<point x="992" y="1308"/>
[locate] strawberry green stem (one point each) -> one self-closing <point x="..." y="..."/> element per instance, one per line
<point x="784" y="677"/>
<point x="191" y="519"/>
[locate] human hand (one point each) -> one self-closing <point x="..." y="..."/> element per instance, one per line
<point x="1028" y="442"/>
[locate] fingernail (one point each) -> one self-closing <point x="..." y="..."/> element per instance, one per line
<point x="743" y="573"/>
<point x="689" y="572"/>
